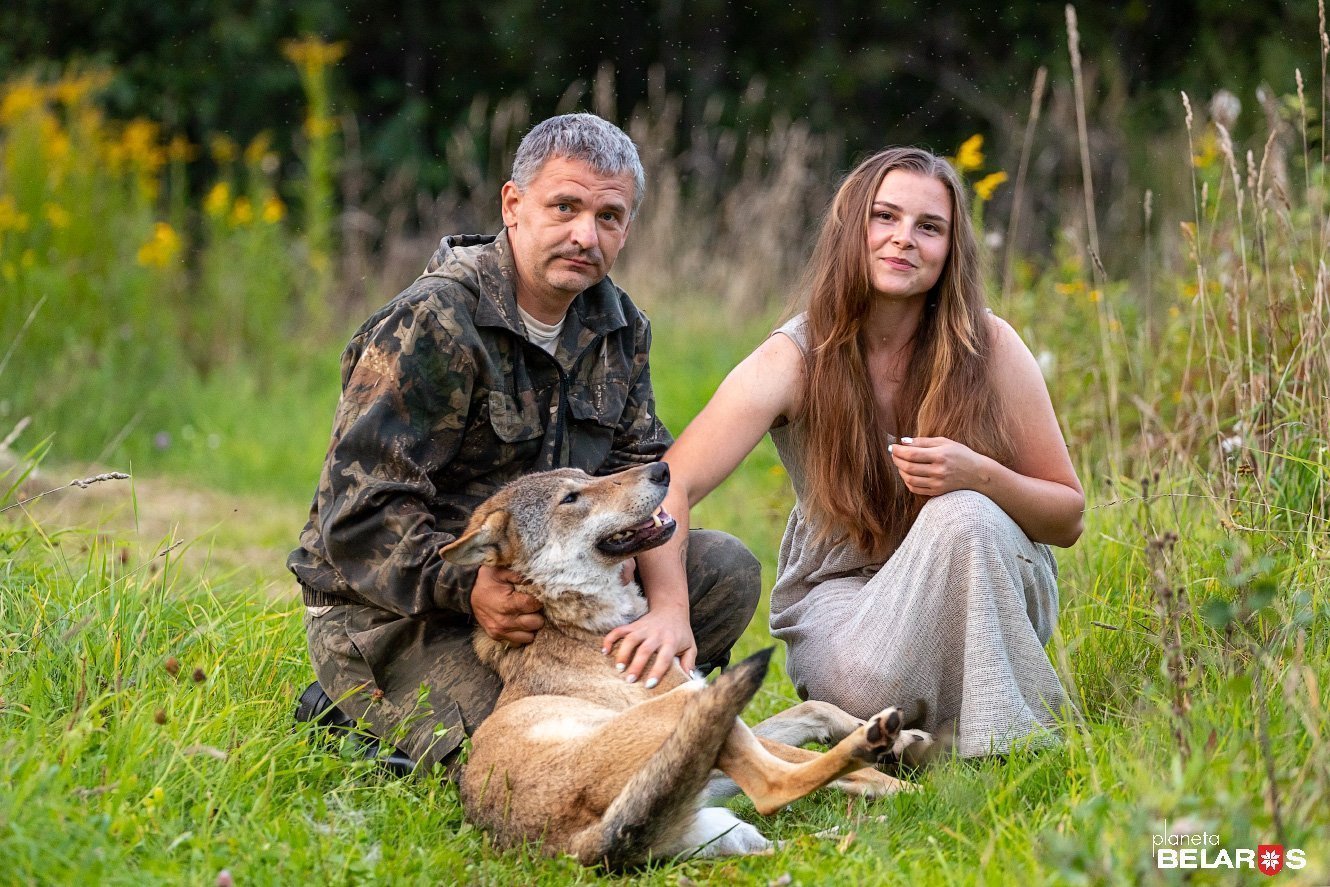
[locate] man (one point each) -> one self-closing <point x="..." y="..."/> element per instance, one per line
<point x="511" y="354"/>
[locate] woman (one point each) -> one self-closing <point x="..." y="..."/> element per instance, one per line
<point x="929" y="470"/>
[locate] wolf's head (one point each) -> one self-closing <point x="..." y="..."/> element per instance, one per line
<point x="568" y="532"/>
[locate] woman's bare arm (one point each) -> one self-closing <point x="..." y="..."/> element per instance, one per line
<point x="762" y="389"/>
<point x="1040" y="490"/>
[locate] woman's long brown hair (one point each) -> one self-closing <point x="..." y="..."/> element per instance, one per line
<point x="853" y="489"/>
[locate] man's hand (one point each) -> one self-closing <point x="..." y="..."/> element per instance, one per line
<point x="666" y="633"/>
<point x="505" y="613"/>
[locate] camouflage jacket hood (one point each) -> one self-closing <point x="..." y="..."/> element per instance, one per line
<point x="443" y="401"/>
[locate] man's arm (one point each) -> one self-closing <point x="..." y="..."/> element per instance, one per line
<point x="640" y="436"/>
<point x="404" y="406"/>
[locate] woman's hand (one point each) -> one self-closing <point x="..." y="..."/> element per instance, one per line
<point x="665" y="632"/>
<point x="931" y="466"/>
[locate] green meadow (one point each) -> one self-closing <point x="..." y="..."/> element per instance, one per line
<point x="151" y="646"/>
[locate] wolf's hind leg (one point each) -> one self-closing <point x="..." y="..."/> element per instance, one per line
<point x="772" y="782"/>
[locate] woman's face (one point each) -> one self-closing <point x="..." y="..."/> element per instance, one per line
<point x="909" y="234"/>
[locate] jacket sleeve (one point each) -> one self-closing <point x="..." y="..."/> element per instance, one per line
<point x="406" y="393"/>
<point x="640" y="436"/>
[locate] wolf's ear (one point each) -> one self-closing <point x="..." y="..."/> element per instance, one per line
<point x="481" y="544"/>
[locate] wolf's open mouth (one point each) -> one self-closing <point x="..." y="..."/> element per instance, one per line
<point x="655" y="530"/>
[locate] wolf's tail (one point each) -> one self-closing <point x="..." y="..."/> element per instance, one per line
<point x="672" y="778"/>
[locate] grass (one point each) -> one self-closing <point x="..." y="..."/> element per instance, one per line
<point x="1194" y="610"/>
<point x="117" y="770"/>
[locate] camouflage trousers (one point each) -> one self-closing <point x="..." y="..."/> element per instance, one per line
<point x="416" y="682"/>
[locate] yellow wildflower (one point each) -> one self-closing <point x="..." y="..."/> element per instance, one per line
<point x="242" y="213"/>
<point x="1209" y="152"/>
<point x="72" y="89"/>
<point x="1173" y="312"/>
<point x="273" y="209"/>
<point x="1095" y="295"/>
<point x="223" y="148"/>
<point x="317" y="127"/>
<point x="255" y="150"/>
<point x="970" y="156"/>
<point x="985" y="187"/>
<point x="161" y="249"/>
<point x="312" y="54"/>
<point x="20" y="98"/>
<point x="1069" y="289"/>
<point x="57" y="215"/>
<point x="181" y="150"/>
<point x="140" y="143"/>
<point x="55" y="144"/>
<point x="218" y="200"/>
<point x="11" y="219"/>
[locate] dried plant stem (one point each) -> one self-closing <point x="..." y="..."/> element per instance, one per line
<point x="1082" y="134"/>
<point x="1169" y="603"/>
<point x="80" y="483"/>
<point x="18" y="337"/>
<point x="1110" y="364"/>
<point x="1018" y="195"/>
<point x="1267" y="753"/>
<point x="1325" y="105"/>
<point x="13" y="435"/>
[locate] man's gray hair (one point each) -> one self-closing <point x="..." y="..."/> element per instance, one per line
<point x="593" y="140"/>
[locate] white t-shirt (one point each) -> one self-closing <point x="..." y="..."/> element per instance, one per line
<point x="543" y="335"/>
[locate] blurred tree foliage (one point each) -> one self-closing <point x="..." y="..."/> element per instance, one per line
<point x="874" y="72"/>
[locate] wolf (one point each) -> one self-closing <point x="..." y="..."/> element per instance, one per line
<point x="613" y="773"/>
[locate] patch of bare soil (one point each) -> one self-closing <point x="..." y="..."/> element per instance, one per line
<point x="217" y="536"/>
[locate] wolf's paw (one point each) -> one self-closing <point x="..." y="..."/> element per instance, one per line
<point x="880" y="733"/>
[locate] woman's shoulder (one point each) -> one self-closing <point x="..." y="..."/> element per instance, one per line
<point x="796" y="330"/>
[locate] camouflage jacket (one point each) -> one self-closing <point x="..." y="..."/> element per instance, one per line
<point x="443" y="401"/>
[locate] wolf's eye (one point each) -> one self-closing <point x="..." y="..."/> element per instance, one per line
<point x="569" y="499"/>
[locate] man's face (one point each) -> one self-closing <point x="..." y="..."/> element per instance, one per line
<point x="566" y="229"/>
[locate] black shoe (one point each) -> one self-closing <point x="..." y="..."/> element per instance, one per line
<point x="317" y="708"/>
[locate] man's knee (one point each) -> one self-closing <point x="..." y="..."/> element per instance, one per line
<point x="724" y="585"/>
<point x="720" y="566"/>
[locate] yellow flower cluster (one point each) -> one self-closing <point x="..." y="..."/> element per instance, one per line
<point x="240" y="211"/>
<point x="162" y="247"/>
<point x="312" y="55"/>
<point x="27" y="94"/>
<point x="1208" y="150"/>
<point x="11" y="217"/>
<point x="970" y="158"/>
<point x="57" y="215"/>
<point x="988" y="184"/>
